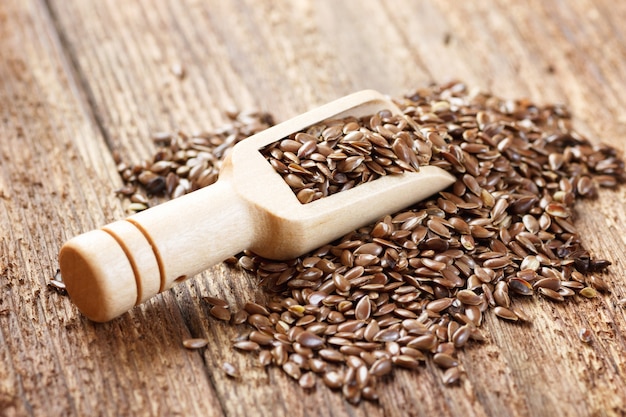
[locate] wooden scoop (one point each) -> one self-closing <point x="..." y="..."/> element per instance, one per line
<point x="110" y="270"/>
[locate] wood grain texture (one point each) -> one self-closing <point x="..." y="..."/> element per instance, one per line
<point x="79" y="79"/>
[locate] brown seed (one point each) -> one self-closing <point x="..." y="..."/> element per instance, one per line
<point x="461" y="336"/>
<point x="557" y="210"/>
<point x="57" y="284"/>
<point x="239" y="317"/>
<point x="425" y="342"/>
<point x="362" y="376"/>
<point x="585" y="335"/>
<point x="434" y="265"/>
<point x="162" y="138"/>
<point x="363" y="309"/>
<point x="371" y="330"/>
<point x="369" y="248"/>
<point x="333" y="379"/>
<point x="279" y="354"/>
<point x="331" y="355"/>
<point x="387" y="335"/>
<point x="498" y="262"/>
<point x="553" y="284"/>
<point x="469" y="297"/>
<point x="439" y="305"/>
<point x="230" y="370"/>
<point x="520" y="286"/>
<point x="261" y="338"/>
<point x="254" y="308"/>
<point x="451" y="375"/>
<point x="246" y="345"/>
<point x="530" y="262"/>
<point x="598" y="283"/>
<point x="501" y="294"/>
<point x="292" y="369"/>
<point x="317" y="365"/>
<point x="575" y="285"/>
<point x="551" y="294"/>
<point x="438" y="227"/>
<point x="220" y="313"/>
<point x="481" y="232"/>
<point x="265" y="358"/>
<point x="216" y="302"/>
<point x="406" y="361"/>
<point x="505" y="313"/>
<point x="474" y="314"/>
<point x="310" y="340"/>
<point x="415" y="327"/>
<point x="445" y="361"/>
<point x="195" y="343"/>
<point x="307" y="380"/>
<point x="521" y="315"/>
<point x="381" y="367"/>
<point x="350" y="326"/>
<point x="341" y="283"/>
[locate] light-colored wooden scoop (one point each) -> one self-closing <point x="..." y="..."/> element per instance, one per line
<point x="110" y="270"/>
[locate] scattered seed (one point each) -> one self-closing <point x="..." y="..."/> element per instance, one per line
<point x="57" y="283"/>
<point x="265" y="358"/>
<point x="381" y="367"/>
<point x="520" y="286"/>
<point x="585" y="335"/>
<point x="550" y="294"/>
<point x="246" y="345"/>
<point x="469" y="297"/>
<point x="292" y="369"/>
<point x="240" y="317"/>
<point x="406" y="361"/>
<point x="195" y="343"/>
<point x="216" y="302"/>
<point x="136" y="207"/>
<point x="307" y="380"/>
<point x="444" y="360"/>
<point x="588" y="292"/>
<point x="230" y="370"/>
<point x="333" y="379"/>
<point x="505" y="313"/>
<point x="220" y="313"/>
<point x="598" y="283"/>
<point x="415" y="284"/>
<point x="451" y="375"/>
<point x="461" y="336"/>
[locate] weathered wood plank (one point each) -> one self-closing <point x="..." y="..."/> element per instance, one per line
<point x="57" y="178"/>
<point x="83" y="78"/>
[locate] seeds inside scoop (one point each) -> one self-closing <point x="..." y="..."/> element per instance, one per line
<point x="340" y="154"/>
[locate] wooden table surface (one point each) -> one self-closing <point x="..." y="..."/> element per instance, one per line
<point x="80" y="78"/>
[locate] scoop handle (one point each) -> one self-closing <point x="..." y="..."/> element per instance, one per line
<point x="110" y="270"/>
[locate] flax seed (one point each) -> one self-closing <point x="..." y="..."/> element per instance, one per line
<point x="220" y="313"/>
<point x="585" y="335"/>
<point x="230" y="370"/>
<point x="195" y="343"/>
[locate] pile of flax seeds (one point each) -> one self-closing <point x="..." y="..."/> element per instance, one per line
<point x="416" y="285"/>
